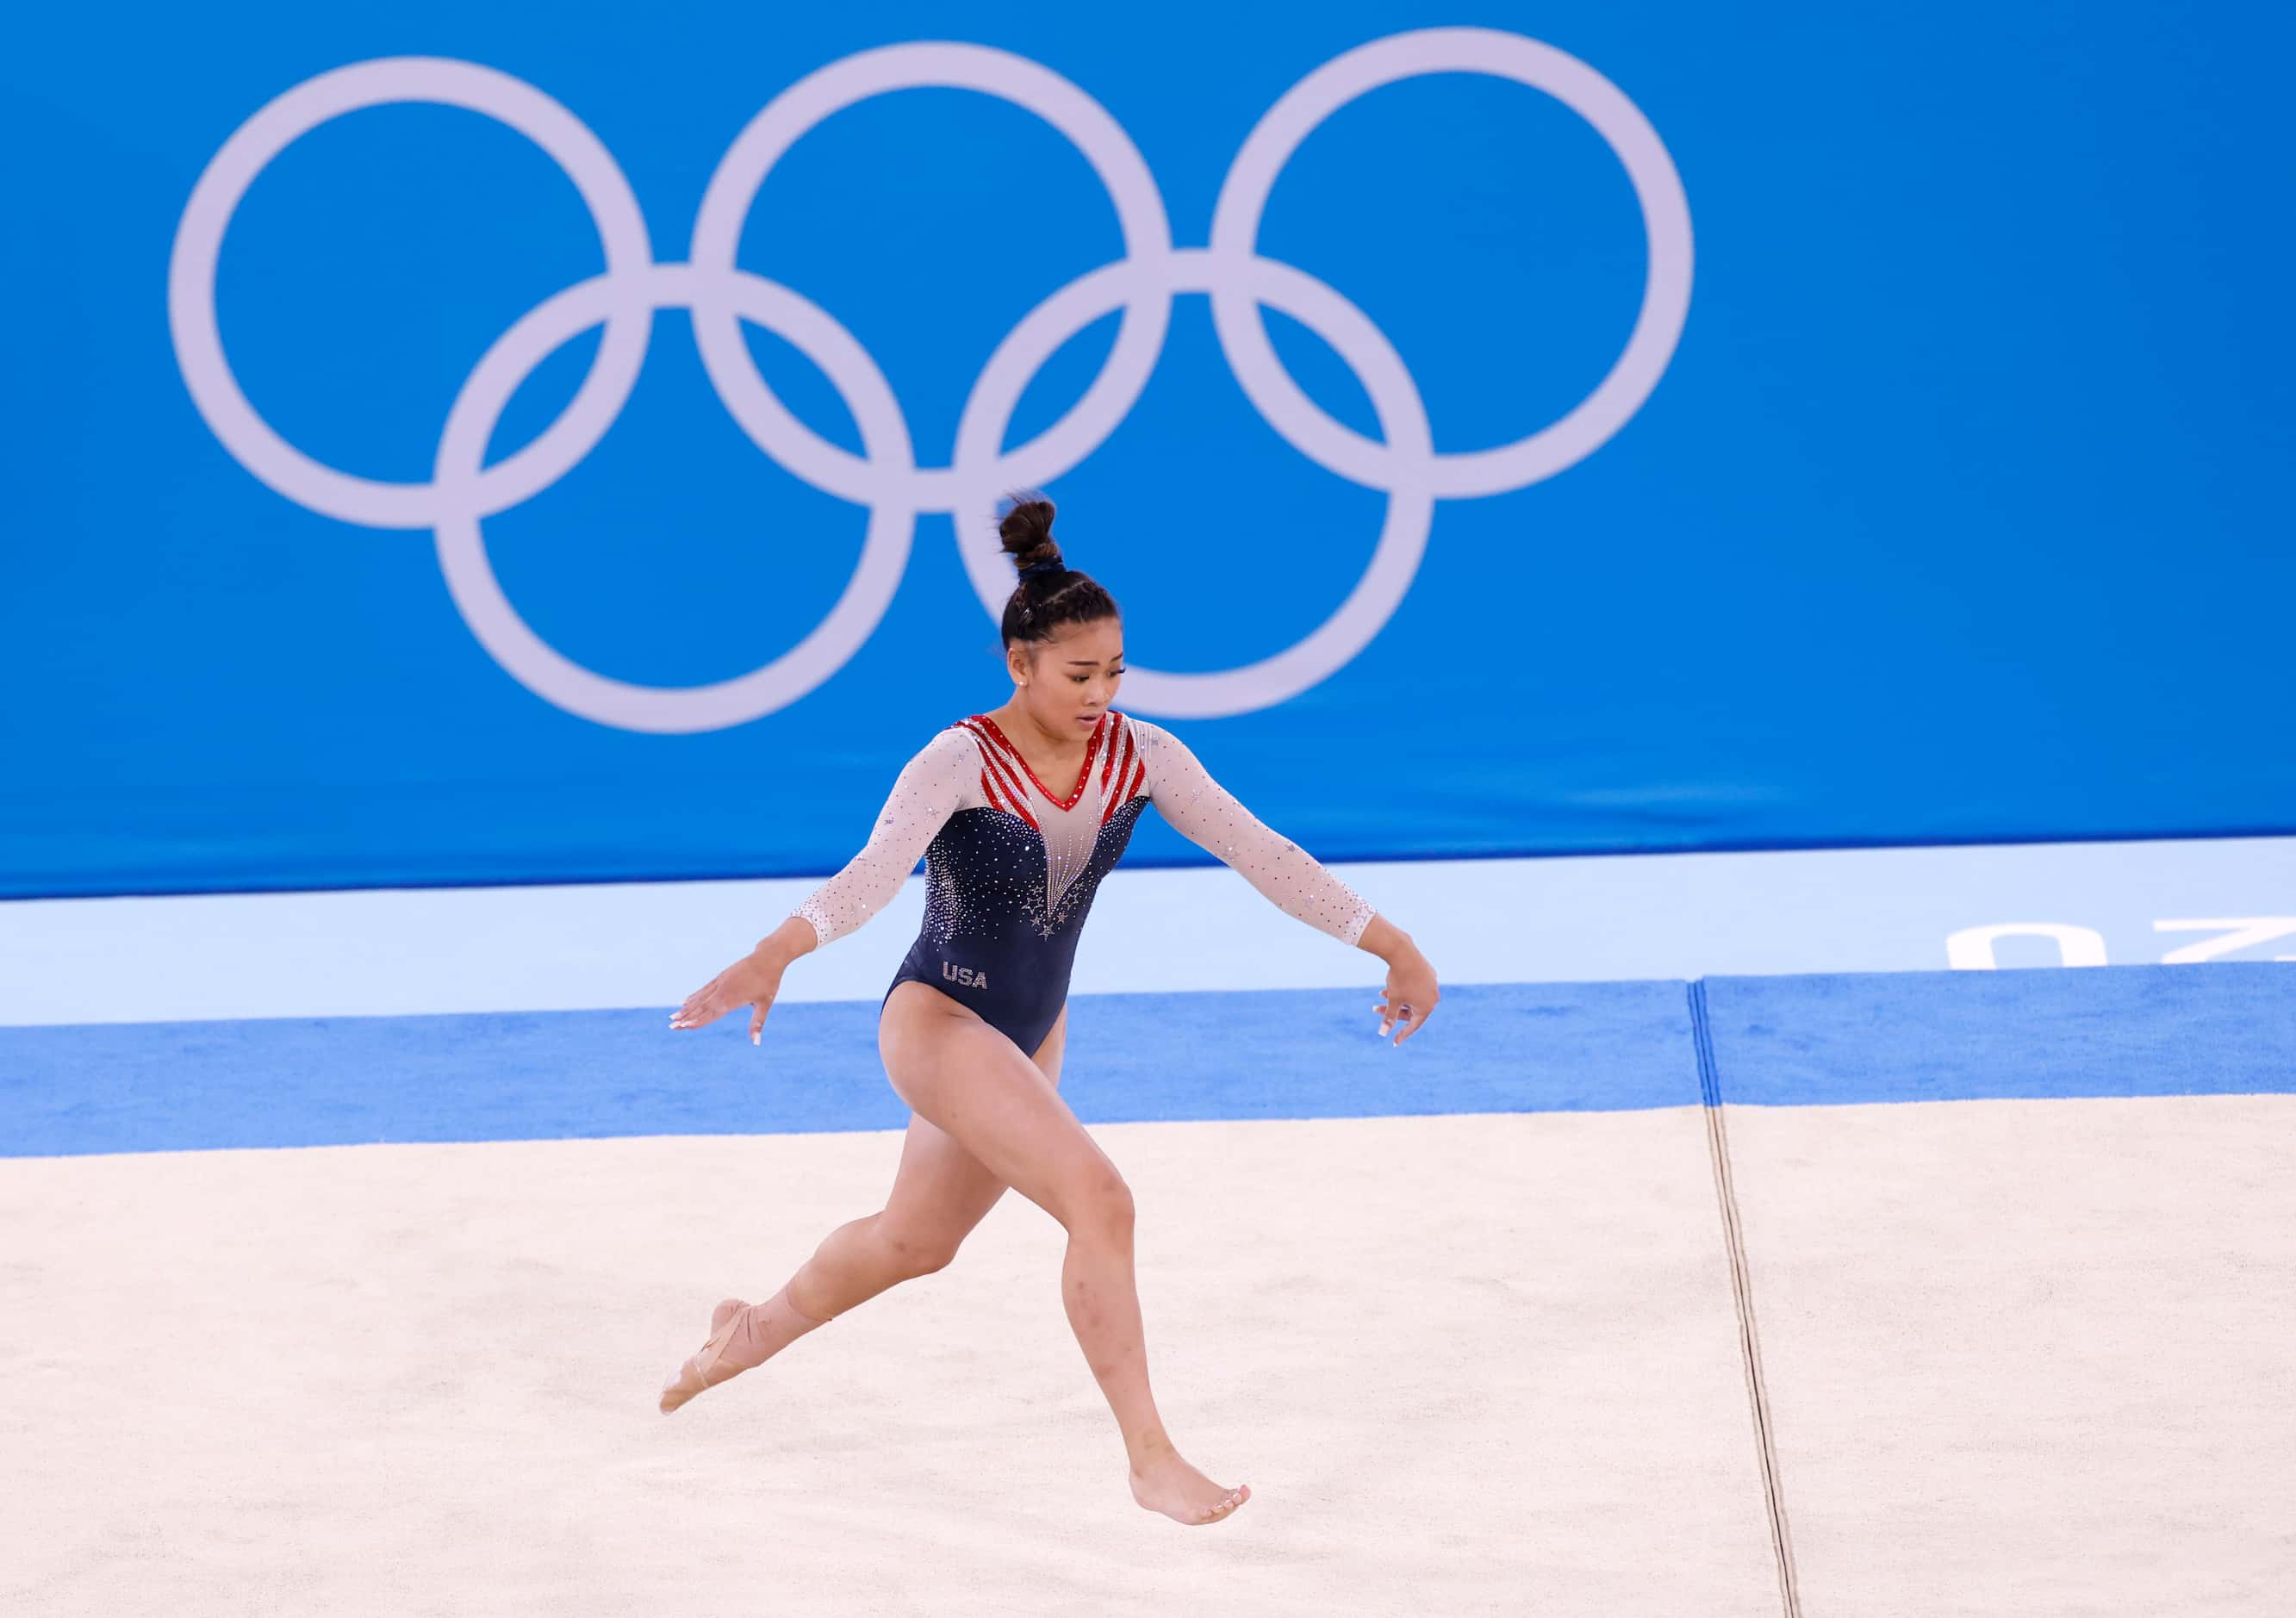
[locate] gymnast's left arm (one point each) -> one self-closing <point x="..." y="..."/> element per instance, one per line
<point x="1206" y="813"/>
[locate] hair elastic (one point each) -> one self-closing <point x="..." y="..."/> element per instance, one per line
<point x="1034" y="568"/>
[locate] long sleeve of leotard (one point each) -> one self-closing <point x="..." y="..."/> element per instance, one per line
<point x="930" y="788"/>
<point x="1207" y="814"/>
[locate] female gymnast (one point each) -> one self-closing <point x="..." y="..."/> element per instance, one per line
<point x="972" y="1028"/>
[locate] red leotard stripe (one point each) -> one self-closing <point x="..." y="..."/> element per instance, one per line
<point x="1082" y="776"/>
<point x="995" y="763"/>
<point x="1122" y="733"/>
<point x="1125" y="793"/>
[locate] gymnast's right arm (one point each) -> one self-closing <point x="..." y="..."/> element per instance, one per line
<point x="925" y="794"/>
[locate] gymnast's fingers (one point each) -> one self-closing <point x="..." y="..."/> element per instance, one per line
<point x="758" y="1021"/>
<point x="705" y="1005"/>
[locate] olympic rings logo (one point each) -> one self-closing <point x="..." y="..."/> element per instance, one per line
<point x="885" y="478"/>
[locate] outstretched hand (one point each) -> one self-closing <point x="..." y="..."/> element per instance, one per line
<point x="748" y="981"/>
<point x="1410" y="994"/>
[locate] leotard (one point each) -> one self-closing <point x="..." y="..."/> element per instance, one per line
<point x="1011" y="866"/>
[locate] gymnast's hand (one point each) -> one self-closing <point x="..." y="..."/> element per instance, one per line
<point x="1410" y="993"/>
<point x="752" y="980"/>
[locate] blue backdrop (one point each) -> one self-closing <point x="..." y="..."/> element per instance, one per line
<point x="1955" y="511"/>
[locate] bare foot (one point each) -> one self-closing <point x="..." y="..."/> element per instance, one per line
<point x="1184" y="1494"/>
<point x="704" y="1368"/>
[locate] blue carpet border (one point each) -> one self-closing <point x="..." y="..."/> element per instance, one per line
<point x="2222" y="1028"/>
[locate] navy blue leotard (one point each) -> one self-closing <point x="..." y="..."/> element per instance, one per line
<point x="1011" y="866"/>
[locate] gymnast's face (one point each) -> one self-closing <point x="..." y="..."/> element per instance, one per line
<point x="1065" y="684"/>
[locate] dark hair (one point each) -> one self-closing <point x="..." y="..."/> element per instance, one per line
<point x="1051" y="592"/>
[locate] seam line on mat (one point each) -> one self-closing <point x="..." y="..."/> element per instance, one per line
<point x="1742" y="1290"/>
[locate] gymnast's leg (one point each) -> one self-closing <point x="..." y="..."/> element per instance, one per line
<point x="939" y="1193"/>
<point x="969" y="1079"/>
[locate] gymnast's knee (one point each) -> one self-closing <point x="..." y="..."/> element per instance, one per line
<point x="1099" y="1205"/>
<point x="912" y="1255"/>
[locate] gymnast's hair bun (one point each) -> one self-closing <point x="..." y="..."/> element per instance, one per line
<point x="1049" y="595"/>
<point x="1026" y="528"/>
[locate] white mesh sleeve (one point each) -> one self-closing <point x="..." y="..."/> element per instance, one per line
<point x="1206" y="813"/>
<point x="931" y="786"/>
